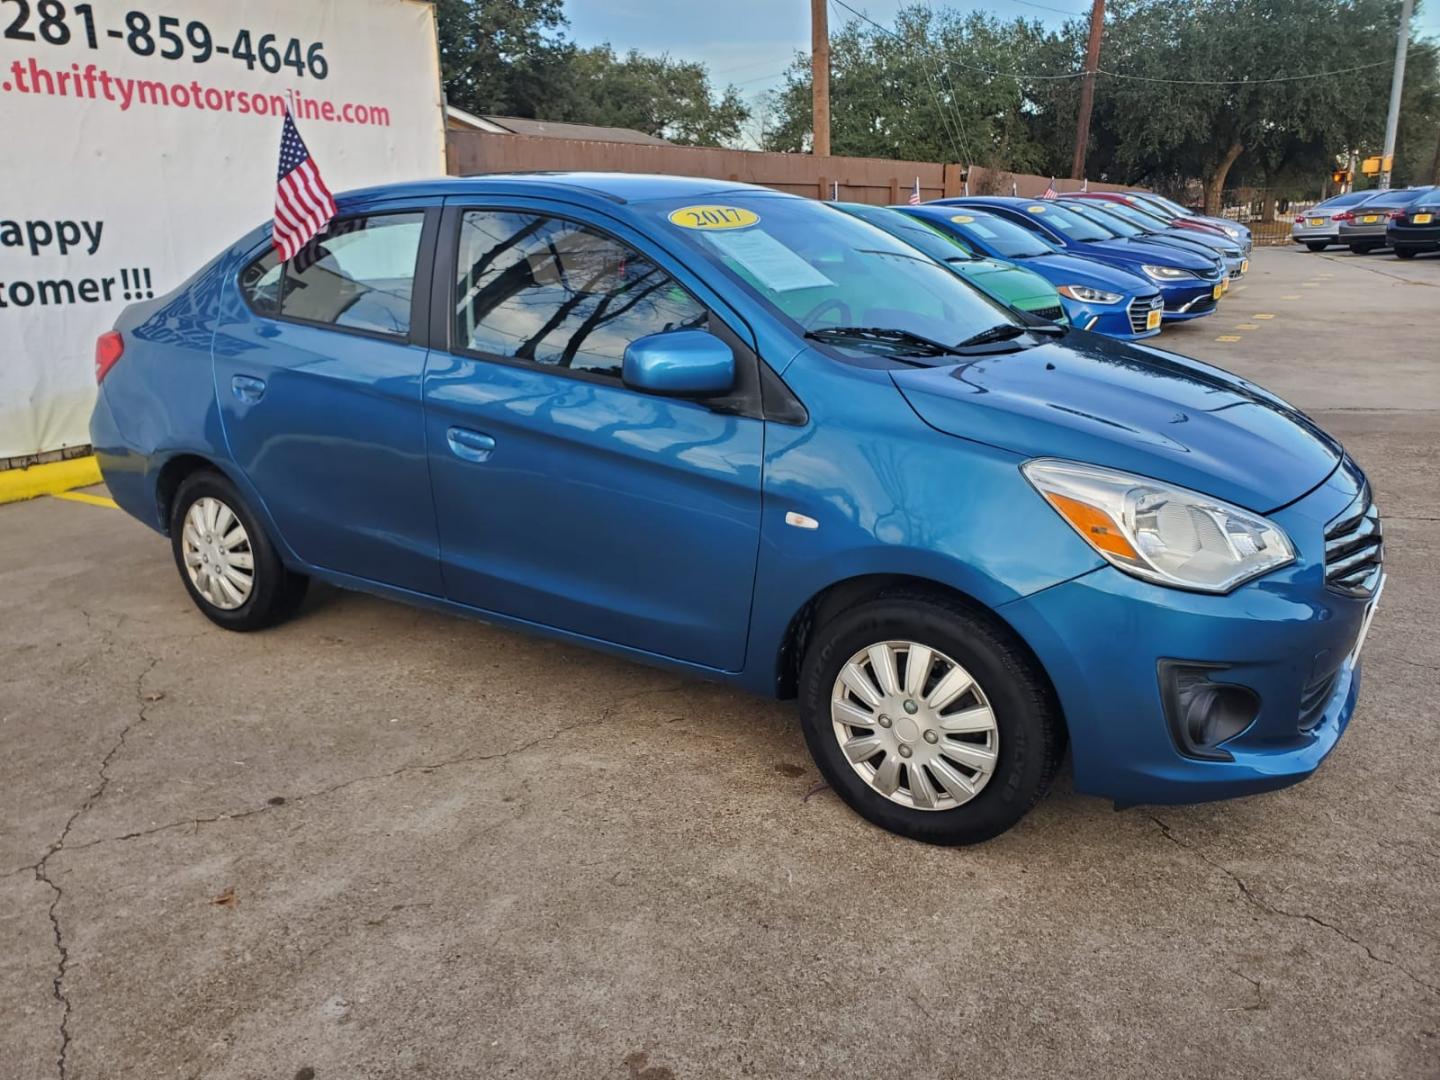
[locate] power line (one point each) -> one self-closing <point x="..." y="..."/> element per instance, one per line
<point x="1243" y="82"/>
<point x="1123" y="75"/>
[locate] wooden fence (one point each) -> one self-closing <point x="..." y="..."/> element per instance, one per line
<point x="878" y="181"/>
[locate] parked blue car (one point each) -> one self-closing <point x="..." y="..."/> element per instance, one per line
<point x="734" y="433"/>
<point x="1133" y="224"/>
<point x="1191" y="284"/>
<point x="1096" y="297"/>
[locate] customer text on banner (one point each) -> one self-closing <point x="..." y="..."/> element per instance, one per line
<point x="138" y="143"/>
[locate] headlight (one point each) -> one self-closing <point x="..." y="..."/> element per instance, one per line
<point x="1086" y="295"/>
<point x="1231" y="232"/>
<point x="1161" y="533"/>
<point x="1166" y="273"/>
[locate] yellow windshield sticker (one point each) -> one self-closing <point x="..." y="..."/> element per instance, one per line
<point x="713" y="217"/>
<point x="961" y="219"/>
<point x="1036" y="209"/>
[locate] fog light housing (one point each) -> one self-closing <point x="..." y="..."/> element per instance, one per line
<point x="1201" y="712"/>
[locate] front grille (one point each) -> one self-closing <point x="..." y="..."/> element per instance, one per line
<point x="1056" y="312"/>
<point x="1354" y="547"/>
<point x="1140" y="311"/>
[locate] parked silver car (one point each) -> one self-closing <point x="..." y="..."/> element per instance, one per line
<point x="1317" y="228"/>
<point x="1362" y="228"/>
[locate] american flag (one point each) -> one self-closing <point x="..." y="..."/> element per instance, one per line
<point x="1050" y="192"/>
<point x="303" y="204"/>
<point x="915" y="193"/>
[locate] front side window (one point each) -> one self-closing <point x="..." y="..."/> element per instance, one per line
<point x="557" y="293"/>
<point x="359" y="275"/>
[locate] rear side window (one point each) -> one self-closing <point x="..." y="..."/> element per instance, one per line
<point x="559" y="294"/>
<point x="357" y="275"/>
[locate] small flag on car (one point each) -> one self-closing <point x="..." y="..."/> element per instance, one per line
<point x="1050" y="192"/>
<point x="915" y="193"/>
<point x="303" y="204"/>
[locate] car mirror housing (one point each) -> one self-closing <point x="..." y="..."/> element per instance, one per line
<point x="680" y="363"/>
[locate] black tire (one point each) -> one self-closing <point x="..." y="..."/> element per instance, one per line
<point x="1316" y="245"/>
<point x="1362" y="249"/>
<point x="275" y="593"/>
<point x="1031" y="733"/>
<point x="1406" y="252"/>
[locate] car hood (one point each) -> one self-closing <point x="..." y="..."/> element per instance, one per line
<point x="1074" y="270"/>
<point x="1091" y="399"/>
<point x="1008" y="280"/>
<point x="1143" y="251"/>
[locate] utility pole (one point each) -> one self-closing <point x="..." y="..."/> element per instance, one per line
<point x="820" y="77"/>
<point x="1087" y="88"/>
<point x="1397" y="87"/>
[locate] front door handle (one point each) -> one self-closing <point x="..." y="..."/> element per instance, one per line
<point x="247" y="388"/>
<point x="470" y="445"/>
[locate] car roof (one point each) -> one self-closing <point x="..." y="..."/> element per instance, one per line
<point x="611" y="187"/>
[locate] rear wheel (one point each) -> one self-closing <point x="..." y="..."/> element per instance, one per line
<point x="1316" y="245"/>
<point x="929" y="719"/>
<point x="228" y="564"/>
<point x="1406" y="252"/>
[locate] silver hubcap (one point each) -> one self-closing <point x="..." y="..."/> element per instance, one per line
<point x="914" y="725"/>
<point x="217" y="554"/>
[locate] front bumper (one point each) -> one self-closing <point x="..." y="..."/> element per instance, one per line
<point x="1191" y="300"/>
<point x="1112" y="320"/>
<point x="1285" y="637"/>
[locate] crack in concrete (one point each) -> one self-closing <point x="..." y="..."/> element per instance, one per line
<point x="432" y="766"/>
<point x="41" y="871"/>
<point x="1301" y="916"/>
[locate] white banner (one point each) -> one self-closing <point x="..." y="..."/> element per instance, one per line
<point x="137" y="142"/>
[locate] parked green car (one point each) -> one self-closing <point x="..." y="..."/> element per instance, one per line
<point x="1010" y="284"/>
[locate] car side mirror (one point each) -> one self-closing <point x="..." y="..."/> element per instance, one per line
<point x="680" y="363"/>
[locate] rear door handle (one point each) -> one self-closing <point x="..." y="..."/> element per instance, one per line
<point x="247" y="388"/>
<point x="470" y="445"/>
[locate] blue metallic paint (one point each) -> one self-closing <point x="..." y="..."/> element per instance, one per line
<point x="682" y="362"/>
<point x="1128" y="255"/>
<point x="598" y="503"/>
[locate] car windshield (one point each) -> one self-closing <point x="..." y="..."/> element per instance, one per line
<point x="1103" y="217"/>
<point x="1159" y="200"/>
<point x="1008" y="240"/>
<point x="1071" y="224"/>
<point x="1136" y="216"/>
<point x="939" y="246"/>
<point x="825" y="270"/>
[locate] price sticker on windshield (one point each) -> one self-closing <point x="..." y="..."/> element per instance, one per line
<point x="1036" y="209"/>
<point x="961" y="219"/>
<point x="713" y="217"/>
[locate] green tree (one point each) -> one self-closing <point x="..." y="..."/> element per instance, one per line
<point x="668" y="98"/>
<point x="510" y="57"/>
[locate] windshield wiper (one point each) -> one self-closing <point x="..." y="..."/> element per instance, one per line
<point x="999" y="332"/>
<point x="914" y="344"/>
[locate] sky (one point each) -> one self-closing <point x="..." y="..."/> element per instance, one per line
<point x="751" y="42"/>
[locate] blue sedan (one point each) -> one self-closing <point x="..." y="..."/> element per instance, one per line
<point x="1127" y="221"/>
<point x="1096" y="297"/>
<point x="1190" y="283"/>
<point x="734" y="433"/>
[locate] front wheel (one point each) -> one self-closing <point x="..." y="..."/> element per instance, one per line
<point x="1316" y="245"/>
<point x="229" y="566"/>
<point x="929" y="719"/>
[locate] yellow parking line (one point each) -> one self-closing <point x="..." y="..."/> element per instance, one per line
<point x="1296" y="296"/>
<point x="49" y="479"/>
<point x="83" y="497"/>
<point x="1247" y="326"/>
<point x="1262" y="316"/>
<point x="1228" y="337"/>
